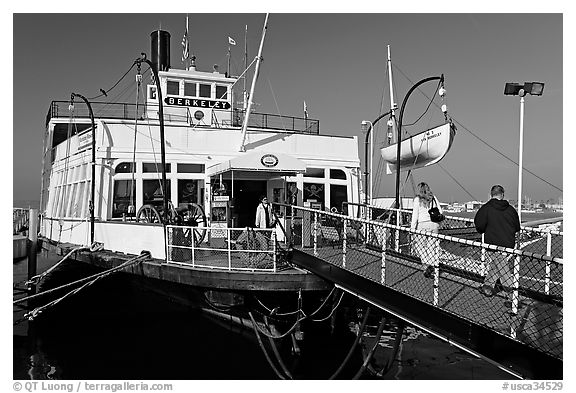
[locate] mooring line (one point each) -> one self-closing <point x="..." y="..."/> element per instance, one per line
<point x="276" y="353"/>
<point x="254" y="326"/>
<point x="356" y="341"/>
<point x="371" y="353"/>
<point x="36" y="279"/>
<point x="87" y="280"/>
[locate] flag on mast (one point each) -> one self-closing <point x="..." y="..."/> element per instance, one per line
<point x="231" y="41"/>
<point x="185" y="44"/>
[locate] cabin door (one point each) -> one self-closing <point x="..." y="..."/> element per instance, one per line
<point x="247" y="195"/>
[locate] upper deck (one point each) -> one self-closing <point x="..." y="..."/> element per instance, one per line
<point x="126" y="111"/>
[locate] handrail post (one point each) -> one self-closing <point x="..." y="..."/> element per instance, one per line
<point x="483" y="258"/>
<point x="397" y="238"/>
<point x="193" y="246"/>
<point x="344" y="229"/>
<point x="292" y="211"/>
<point x="229" y="249"/>
<point x="549" y="253"/>
<point x="383" y="266"/>
<point x="516" y="273"/>
<point x="274" y="248"/>
<point x="436" y="284"/>
<point x="315" y="234"/>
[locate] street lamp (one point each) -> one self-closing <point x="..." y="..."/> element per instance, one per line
<point x="517" y="89"/>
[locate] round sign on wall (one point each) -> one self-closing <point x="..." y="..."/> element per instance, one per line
<point x="269" y="160"/>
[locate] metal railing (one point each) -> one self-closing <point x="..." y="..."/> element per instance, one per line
<point x="248" y="249"/>
<point x="127" y="111"/>
<point x="546" y="240"/>
<point x="20" y="219"/>
<point x="527" y="308"/>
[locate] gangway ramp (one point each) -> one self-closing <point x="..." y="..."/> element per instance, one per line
<point x="382" y="263"/>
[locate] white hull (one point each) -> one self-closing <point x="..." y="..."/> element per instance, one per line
<point x="421" y="150"/>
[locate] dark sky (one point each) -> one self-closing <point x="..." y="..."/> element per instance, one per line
<point x="337" y="64"/>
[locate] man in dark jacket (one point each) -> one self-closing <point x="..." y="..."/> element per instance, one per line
<point x="499" y="222"/>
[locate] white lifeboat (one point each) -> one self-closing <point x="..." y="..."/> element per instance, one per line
<point x="420" y="150"/>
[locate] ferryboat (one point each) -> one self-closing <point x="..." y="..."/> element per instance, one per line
<point x="179" y="174"/>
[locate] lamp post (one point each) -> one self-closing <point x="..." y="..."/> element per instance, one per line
<point x="399" y="134"/>
<point x="367" y="127"/>
<point x="516" y="89"/>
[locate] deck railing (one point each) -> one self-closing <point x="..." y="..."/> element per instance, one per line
<point x="223" y="248"/>
<point x="128" y="111"/>
<point x="396" y="257"/>
<point x="546" y="240"/>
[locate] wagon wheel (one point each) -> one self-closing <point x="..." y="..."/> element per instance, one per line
<point x="194" y="216"/>
<point x="149" y="214"/>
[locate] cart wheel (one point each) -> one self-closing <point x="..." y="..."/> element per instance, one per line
<point x="194" y="216"/>
<point x="149" y="214"/>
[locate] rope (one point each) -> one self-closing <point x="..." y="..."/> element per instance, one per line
<point x="34" y="313"/>
<point x="273" y="312"/>
<point x="427" y="108"/>
<point x="356" y="341"/>
<point x="104" y="93"/>
<point x="254" y="326"/>
<point x="371" y="353"/>
<point x="269" y="335"/>
<point x="36" y="279"/>
<point x="275" y="350"/>
<point x="395" y="350"/>
<point x="143" y="255"/>
<point x="331" y="312"/>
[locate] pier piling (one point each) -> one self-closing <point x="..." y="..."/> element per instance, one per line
<point x="32" y="247"/>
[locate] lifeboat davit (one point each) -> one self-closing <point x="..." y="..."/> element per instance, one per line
<point x="420" y="150"/>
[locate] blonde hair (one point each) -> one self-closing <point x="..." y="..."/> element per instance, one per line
<point x="424" y="193"/>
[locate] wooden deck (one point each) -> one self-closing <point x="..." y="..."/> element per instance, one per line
<point x="215" y="278"/>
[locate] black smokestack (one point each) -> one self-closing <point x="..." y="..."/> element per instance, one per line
<point x="161" y="49"/>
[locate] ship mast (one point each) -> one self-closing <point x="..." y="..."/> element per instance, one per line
<point x="256" y="71"/>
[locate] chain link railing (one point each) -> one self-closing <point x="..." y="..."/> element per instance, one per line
<point x="250" y="249"/>
<point x="526" y="303"/>
<point x="547" y="239"/>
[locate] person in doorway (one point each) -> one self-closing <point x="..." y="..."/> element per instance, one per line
<point x="264" y="216"/>
<point x="425" y="246"/>
<point x="499" y="222"/>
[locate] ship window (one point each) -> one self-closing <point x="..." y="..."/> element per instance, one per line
<point x="153" y="167"/>
<point x="153" y="192"/>
<point x="190" y="168"/>
<point x="314" y="193"/>
<point x="125" y="167"/>
<point x="338" y="195"/>
<point x="337" y="174"/>
<point x="221" y="92"/>
<point x="205" y="91"/>
<point x="314" y="172"/>
<point x="190" y="89"/>
<point x="123" y="198"/>
<point x="173" y="88"/>
<point x="187" y="191"/>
